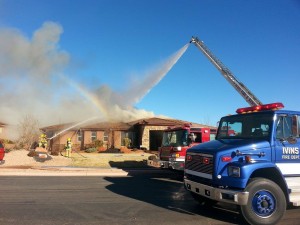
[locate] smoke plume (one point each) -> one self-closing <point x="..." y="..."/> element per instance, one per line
<point x="32" y="81"/>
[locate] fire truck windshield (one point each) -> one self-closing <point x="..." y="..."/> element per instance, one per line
<point x="246" y="126"/>
<point x="175" y="138"/>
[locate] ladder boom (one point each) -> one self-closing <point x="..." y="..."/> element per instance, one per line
<point x="249" y="97"/>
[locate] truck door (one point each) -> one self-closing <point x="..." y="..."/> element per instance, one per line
<point x="287" y="144"/>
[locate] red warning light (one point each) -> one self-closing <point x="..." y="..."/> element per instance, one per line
<point x="226" y="158"/>
<point x="271" y="106"/>
<point x="205" y="160"/>
<point x="189" y="158"/>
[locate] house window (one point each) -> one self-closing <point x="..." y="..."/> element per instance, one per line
<point x="93" y="135"/>
<point x="105" y="136"/>
<point x="79" y="136"/>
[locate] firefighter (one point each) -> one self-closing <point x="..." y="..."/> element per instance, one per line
<point x="43" y="141"/>
<point x="191" y="138"/>
<point x="68" y="147"/>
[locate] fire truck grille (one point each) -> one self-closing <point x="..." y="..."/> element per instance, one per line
<point x="200" y="163"/>
<point x="199" y="179"/>
<point x="165" y="154"/>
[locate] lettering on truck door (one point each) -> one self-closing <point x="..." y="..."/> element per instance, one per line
<point x="287" y="144"/>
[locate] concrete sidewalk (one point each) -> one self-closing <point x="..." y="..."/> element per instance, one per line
<point x="75" y="171"/>
<point x="62" y="171"/>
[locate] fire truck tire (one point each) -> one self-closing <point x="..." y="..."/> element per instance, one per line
<point x="266" y="204"/>
<point x="203" y="201"/>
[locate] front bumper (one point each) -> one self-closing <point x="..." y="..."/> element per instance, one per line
<point x="171" y="164"/>
<point x="217" y="194"/>
<point x="177" y="165"/>
<point x="158" y="163"/>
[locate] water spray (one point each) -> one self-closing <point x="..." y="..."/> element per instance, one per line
<point x="142" y="88"/>
<point x="75" y="125"/>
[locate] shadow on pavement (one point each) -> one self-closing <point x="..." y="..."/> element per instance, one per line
<point x="128" y="164"/>
<point x="166" y="190"/>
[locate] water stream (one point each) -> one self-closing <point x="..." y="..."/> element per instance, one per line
<point x="75" y="125"/>
<point x="136" y="92"/>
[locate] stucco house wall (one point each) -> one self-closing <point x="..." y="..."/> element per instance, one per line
<point x="3" y="131"/>
<point x="112" y="133"/>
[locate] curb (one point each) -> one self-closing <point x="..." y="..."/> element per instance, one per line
<point x="62" y="172"/>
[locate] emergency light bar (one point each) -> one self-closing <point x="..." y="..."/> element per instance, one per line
<point x="271" y="106"/>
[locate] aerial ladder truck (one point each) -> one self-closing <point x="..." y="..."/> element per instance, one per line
<point x="250" y="98"/>
<point x="254" y="161"/>
<point x="171" y="156"/>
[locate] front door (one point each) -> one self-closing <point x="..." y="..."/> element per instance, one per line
<point x="287" y="144"/>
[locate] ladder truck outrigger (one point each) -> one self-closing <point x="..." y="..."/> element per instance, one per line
<point x="253" y="163"/>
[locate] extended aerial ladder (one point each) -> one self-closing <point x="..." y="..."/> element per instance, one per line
<point x="227" y="74"/>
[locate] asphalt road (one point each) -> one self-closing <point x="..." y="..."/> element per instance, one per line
<point x="137" y="199"/>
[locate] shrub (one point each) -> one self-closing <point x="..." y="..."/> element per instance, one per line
<point x="32" y="153"/>
<point x="90" y="150"/>
<point x="6" y="141"/>
<point x="7" y="150"/>
<point x="127" y="142"/>
<point x="97" y="143"/>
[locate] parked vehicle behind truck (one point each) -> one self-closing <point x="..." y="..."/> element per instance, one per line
<point x="176" y="140"/>
<point x="256" y="167"/>
<point x="2" y="152"/>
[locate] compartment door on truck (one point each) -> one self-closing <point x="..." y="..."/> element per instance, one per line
<point x="287" y="144"/>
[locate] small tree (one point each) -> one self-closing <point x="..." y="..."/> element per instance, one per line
<point x="29" y="132"/>
<point x="127" y="142"/>
<point x="97" y="143"/>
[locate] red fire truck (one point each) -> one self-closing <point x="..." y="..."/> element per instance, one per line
<point x="2" y="152"/>
<point x="176" y="140"/>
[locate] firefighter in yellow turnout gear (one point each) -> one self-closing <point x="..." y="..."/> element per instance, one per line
<point x="43" y="141"/>
<point x="68" y="148"/>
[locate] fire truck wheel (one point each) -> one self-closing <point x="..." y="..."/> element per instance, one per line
<point x="202" y="200"/>
<point x="266" y="204"/>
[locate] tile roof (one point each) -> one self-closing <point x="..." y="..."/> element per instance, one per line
<point x="157" y="121"/>
<point x="153" y="121"/>
<point x="107" y="125"/>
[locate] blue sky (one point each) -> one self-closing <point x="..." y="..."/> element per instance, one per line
<point x="112" y="42"/>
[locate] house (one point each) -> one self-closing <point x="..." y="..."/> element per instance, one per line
<point x="3" y="131"/>
<point x="143" y="134"/>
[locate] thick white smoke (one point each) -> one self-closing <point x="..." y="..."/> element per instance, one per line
<point x="37" y="58"/>
<point x="32" y="83"/>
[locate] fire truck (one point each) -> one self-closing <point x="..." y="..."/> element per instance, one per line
<point x="256" y="165"/>
<point x="2" y="152"/>
<point x="176" y="140"/>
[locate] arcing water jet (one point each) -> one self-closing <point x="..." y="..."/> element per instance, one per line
<point x="75" y="125"/>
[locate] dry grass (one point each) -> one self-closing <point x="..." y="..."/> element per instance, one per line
<point x="19" y="158"/>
